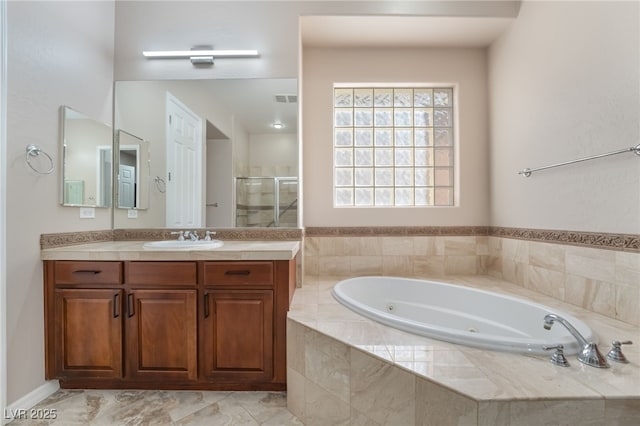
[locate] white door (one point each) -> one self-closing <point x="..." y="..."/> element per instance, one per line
<point x="127" y="187"/>
<point x="184" y="166"/>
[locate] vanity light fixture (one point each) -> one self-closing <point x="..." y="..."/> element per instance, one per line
<point x="201" y="55"/>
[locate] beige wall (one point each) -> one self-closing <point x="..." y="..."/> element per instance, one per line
<point x="271" y="27"/>
<point x="563" y="85"/>
<point x="466" y="68"/>
<point x="273" y="154"/>
<point x="59" y="53"/>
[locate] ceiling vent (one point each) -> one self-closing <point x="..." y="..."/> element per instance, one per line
<point x="287" y="99"/>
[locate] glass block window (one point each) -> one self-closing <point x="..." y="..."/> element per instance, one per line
<point x="393" y="147"/>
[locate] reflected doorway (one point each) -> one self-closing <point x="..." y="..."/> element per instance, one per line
<point x="184" y="166"/>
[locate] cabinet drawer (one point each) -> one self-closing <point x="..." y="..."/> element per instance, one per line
<point x="238" y="273"/>
<point x="160" y="273"/>
<point x="82" y="272"/>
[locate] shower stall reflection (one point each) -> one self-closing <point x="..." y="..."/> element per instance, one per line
<point x="266" y="202"/>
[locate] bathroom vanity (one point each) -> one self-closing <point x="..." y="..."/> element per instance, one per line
<point x="118" y="316"/>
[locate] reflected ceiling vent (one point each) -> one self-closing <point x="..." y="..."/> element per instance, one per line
<point x="287" y="99"/>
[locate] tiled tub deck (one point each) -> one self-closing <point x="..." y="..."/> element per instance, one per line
<point x="346" y="369"/>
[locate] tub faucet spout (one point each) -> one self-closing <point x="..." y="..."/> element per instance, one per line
<point x="589" y="354"/>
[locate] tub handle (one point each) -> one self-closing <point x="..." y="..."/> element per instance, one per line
<point x="615" y="354"/>
<point x="558" y="357"/>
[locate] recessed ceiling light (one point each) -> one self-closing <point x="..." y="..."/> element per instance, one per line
<point x="277" y="125"/>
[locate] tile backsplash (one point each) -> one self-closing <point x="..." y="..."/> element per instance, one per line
<point x="600" y="273"/>
<point x="599" y="280"/>
<point x="396" y="255"/>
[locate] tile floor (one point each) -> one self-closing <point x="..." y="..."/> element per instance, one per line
<point x="154" y="407"/>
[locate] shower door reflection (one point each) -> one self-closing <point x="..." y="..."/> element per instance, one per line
<point x="266" y="202"/>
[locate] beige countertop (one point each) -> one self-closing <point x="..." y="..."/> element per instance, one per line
<point x="134" y="250"/>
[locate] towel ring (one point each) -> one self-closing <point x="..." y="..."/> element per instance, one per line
<point x="34" y="151"/>
<point x="160" y="184"/>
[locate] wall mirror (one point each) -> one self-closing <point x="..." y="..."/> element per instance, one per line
<point x="221" y="153"/>
<point x="132" y="184"/>
<point x="87" y="160"/>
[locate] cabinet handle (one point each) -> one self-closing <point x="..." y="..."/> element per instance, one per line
<point x="130" y="309"/>
<point x="116" y="305"/>
<point x="206" y="305"/>
<point x="240" y="272"/>
<point x="88" y="271"/>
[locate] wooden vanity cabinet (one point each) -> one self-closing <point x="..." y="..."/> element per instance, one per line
<point x="167" y="325"/>
<point x="243" y="323"/>
<point x="83" y="314"/>
<point x="238" y="321"/>
<point x="161" y="322"/>
<point x="88" y="333"/>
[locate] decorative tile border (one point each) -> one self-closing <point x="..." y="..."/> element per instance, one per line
<point x="392" y="231"/>
<point x="241" y="234"/>
<point x="73" y="238"/>
<point x="620" y="242"/>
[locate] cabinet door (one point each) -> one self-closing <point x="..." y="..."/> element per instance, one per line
<point x="161" y="334"/>
<point x="237" y="335"/>
<point x="88" y="333"/>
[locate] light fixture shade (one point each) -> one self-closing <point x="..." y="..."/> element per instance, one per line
<point x="169" y="54"/>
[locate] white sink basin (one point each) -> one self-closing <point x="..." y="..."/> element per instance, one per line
<point x="183" y="245"/>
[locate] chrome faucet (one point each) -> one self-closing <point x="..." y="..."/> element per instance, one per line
<point x="192" y="235"/>
<point x="589" y="354"/>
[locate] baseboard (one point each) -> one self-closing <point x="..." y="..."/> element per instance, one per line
<point x="29" y="400"/>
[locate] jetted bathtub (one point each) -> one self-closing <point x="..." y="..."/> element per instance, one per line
<point x="459" y="314"/>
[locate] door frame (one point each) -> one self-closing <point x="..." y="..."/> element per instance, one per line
<point x="3" y="206"/>
<point x="102" y="153"/>
<point x="135" y="148"/>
